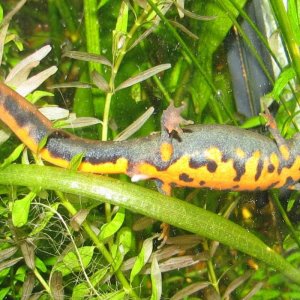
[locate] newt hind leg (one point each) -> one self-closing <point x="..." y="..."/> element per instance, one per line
<point x="165" y="189"/>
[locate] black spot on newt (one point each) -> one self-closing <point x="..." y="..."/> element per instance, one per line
<point x="259" y="169"/>
<point x="211" y="166"/>
<point x="271" y="168"/>
<point x="195" y="164"/>
<point x="185" y="177"/>
<point x="239" y="169"/>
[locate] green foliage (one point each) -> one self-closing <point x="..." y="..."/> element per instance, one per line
<point x="137" y="54"/>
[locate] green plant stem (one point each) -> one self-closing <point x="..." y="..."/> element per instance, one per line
<point x="66" y="14"/>
<point x="211" y="270"/>
<point x="92" y="32"/>
<point x="87" y="228"/>
<point x="114" y="71"/>
<point x="285" y="217"/>
<point x="288" y="34"/>
<point x="149" y="203"/>
<point x="42" y="281"/>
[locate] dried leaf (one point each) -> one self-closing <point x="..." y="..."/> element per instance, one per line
<point x="100" y="82"/>
<point x="10" y="15"/>
<point x="185" y="30"/>
<point x="81" y="122"/>
<point x="27" y="250"/>
<point x="35" y="81"/>
<point x="179" y="262"/>
<point x="88" y="57"/>
<point x="54" y="112"/>
<point x="143" y="222"/>
<point x="4" y="135"/>
<point x="170" y="251"/>
<point x="79" y="218"/>
<point x="141" y="3"/>
<point x="193" y="15"/>
<point x="3" y="32"/>
<point x="135" y="126"/>
<point x="9" y="263"/>
<point x="143" y="76"/>
<point x="28" y="286"/>
<point x="8" y="252"/>
<point x="56" y="286"/>
<point x="181" y="4"/>
<point x="23" y="74"/>
<point x="256" y="288"/>
<point x="236" y="283"/>
<point x="31" y="60"/>
<point x="143" y="35"/>
<point x="185" y="239"/>
<point x="74" y="84"/>
<point x="190" y="289"/>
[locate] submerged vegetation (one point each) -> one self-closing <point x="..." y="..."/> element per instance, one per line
<point x="117" y="65"/>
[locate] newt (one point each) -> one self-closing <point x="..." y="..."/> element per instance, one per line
<point x="220" y="157"/>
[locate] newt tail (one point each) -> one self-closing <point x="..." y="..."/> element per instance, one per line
<point x="201" y="156"/>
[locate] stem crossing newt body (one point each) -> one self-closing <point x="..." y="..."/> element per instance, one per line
<point x="202" y="156"/>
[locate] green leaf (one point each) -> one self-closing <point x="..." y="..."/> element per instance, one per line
<point x="142" y="258"/>
<point x="83" y="289"/>
<point x="120" y="295"/>
<point x="122" y="20"/>
<point x="294" y="18"/>
<point x="156" y="280"/>
<point x="119" y="34"/>
<point x="37" y="95"/>
<point x="121" y="247"/>
<point x="124" y="238"/>
<point x="3" y="292"/>
<point x="102" y="3"/>
<point x="20" y="210"/>
<point x="281" y="82"/>
<point x="13" y="156"/>
<point x="71" y="262"/>
<point x="113" y="226"/>
<point x="291" y="201"/>
<point x="98" y="276"/>
<point x="42" y="143"/>
<point x="76" y="161"/>
<point x="40" y="265"/>
<point x="252" y="122"/>
<point x="80" y="291"/>
<point x="1" y="13"/>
